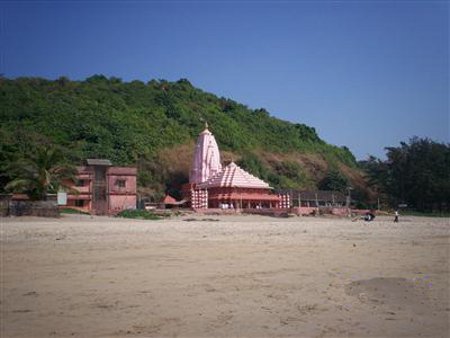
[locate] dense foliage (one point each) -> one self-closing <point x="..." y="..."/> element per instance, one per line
<point x="121" y="121"/>
<point x="131" y="122"/>
<point x="416" y="174"/>
<point x="43" y="171"/>
<point x="334" y="181"/>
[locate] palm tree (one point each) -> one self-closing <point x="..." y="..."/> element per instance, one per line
<point x="44" y="171"/>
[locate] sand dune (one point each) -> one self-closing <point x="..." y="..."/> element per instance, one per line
<point x="240" y="276"/>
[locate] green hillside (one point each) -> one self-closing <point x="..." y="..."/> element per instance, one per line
<point x="153" y="125"/>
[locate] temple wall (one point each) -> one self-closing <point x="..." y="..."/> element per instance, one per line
<point x="199" y="199"/>
<point x="305" y="211"/>
<point x="343" y="212"/>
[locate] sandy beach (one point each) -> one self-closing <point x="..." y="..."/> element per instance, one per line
<point x="224" y="276"/>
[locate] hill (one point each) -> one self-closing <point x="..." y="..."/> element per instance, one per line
<point x="154" y="125"/>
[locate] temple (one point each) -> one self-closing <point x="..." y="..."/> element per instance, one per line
<point x="231" y="187"/>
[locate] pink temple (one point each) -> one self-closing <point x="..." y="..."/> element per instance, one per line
<point x="232" y="187"/>
<point x="206" y="161"/>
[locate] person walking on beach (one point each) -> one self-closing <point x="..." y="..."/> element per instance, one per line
<point x="396" y="216"/>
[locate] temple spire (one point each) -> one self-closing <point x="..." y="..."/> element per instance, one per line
<point x="206" y="161"/>
<point x="206" y="124"/>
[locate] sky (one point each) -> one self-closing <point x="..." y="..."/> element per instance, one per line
<point x="364" y="74"/>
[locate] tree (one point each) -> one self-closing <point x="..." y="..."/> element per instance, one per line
<point x="334" y="181"/>
<point x="415" y="173"/>
<point x="43" y="171"/>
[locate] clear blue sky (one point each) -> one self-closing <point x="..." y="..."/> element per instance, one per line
<point x="365" y="74"/>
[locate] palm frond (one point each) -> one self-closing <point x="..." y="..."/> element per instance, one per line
<point x="19" y="185"/>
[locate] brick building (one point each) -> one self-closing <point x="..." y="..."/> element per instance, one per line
<point x="103" y="189"/>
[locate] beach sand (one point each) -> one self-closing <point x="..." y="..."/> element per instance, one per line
<point x="224" y="276"/>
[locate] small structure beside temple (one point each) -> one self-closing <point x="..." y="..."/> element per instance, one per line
<point x="231" y="187"/>
<point x="169" y="202"/>
<point x="317" y="198"/>
<point x="318" y="201"/>
<point x="103" y="189"/>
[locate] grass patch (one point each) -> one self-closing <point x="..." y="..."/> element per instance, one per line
<point x="138" y="214"/>
<point x="72" y="211"/>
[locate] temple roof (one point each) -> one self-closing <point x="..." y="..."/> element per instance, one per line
<point x="234" y="176"/>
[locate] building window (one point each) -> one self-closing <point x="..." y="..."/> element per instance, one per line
<point x="79" y="203"/>
<point x="79" y="183"/>
<point x="121" y="183"/>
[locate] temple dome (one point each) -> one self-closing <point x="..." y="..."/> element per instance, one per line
<point x="206" y="161"/>
<point x="234" y="176"/>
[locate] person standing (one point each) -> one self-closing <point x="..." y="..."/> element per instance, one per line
<point x="396" y="216"/>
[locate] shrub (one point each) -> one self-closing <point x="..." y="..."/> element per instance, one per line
<point x="138" y="214"/>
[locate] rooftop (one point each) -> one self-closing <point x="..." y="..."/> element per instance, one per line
<point x="98" y="161"/>
<point x="234" y="176"/>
